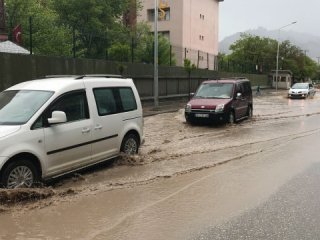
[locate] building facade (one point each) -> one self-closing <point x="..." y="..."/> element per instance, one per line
<point x="192" y="27"/>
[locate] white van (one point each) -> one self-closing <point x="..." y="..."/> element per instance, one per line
<point x="53" y="126"/>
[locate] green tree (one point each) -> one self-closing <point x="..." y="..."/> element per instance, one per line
<point x="254" y="54"/>
<point x="119" y="52"/>
<point x="145" y="46"/>
<point x="96" y="22"/>
<point x="48" y="37"/>
<point x="188" y="67"/>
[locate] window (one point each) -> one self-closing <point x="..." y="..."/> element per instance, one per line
<point x="17" y="107"/>
<point x="106" y="101"/>
<point x="166" y="34"/>
<point x="127" y="99"/>
<point x="163" y="15"/>
<point x="74" y="104"/>
<point x="114" y="100"/>
<point x="215" y="90"/>
<point x="239" y="88"/>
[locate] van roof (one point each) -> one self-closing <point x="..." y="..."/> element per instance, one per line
<point x="55" y="83"/>
<point x="229" y="80"/>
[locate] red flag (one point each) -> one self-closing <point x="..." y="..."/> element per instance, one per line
<point x="17" y="34"/>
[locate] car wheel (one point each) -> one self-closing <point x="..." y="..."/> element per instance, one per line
<point x="231" y="118"/>
<point x="249" y="112"/>
<point x="20" y="174"/>
<point x="130" y="144"/>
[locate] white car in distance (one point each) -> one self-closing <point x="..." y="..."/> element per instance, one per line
<point x="301" y="90"/>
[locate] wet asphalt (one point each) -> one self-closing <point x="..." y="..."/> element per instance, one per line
<point x="293" y="213"/>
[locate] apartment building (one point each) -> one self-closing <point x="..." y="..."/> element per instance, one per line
<point x="192" y="27"/>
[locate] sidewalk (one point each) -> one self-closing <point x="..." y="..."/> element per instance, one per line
<point x="165" y="106"/>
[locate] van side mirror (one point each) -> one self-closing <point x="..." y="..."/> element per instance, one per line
<point x="192" y="95"/>
<point x="57" y="117"/>
<point x="239" y="95"/>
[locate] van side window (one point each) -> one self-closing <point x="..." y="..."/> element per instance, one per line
<point x="128" y="100"/>
<point x="239" y="88"/>
<point x="106" y="101"/>
<point x="73" y="104"/>
<point x="114" y="100"/>
<point x="247" y="88"/>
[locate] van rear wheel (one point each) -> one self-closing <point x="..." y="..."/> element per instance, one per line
<point x="20" y="174"/>
<point x="130" y="144"/>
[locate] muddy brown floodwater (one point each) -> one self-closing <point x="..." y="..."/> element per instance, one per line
<point x="172" y="148"/>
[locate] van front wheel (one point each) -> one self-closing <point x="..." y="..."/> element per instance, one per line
<point x="231" y="118"/>
<point x="130" y="144"/>
<point x="20" y="174"/>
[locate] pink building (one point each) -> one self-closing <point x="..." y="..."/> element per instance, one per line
<point x="192" y="27"/>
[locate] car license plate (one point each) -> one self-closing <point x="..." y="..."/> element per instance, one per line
<point x="202" y="115"/>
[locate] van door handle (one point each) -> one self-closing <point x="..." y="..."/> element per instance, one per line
<point x="98" y="127"/>
<point x="85" y="130"/>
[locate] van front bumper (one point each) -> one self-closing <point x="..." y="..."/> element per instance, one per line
<point x="206" y="116"/>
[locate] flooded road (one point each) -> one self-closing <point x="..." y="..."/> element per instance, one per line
<point x="186" y="178"/>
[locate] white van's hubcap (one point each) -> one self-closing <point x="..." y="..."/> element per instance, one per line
<point x="20" y="176"/>
<point x="130" y="146"/>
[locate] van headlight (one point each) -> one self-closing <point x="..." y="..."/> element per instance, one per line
<point x="220" y="108"/>
<point x="188" y="108"/>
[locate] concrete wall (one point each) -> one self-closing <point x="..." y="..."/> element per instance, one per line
<point x="255" y="79"/>
<point x="173" y="81"/>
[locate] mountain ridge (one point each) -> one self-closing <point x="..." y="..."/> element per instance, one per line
<point x="307" y="42"/>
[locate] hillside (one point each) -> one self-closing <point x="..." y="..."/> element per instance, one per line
<point x="305" y="41"/>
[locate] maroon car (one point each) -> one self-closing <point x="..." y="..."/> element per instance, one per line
<point x="221" y="100"/>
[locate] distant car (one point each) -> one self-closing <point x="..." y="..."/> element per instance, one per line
<point x="301" y="90"/>
<point x="220" y="101"/>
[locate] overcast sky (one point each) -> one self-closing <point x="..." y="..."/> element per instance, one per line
<point x="240" y="15"/>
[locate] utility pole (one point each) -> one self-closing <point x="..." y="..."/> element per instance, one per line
<point x="318" y="60"/>
<point x="30" y="35"/>
<point x="3" y="33"/>
<point x="156" y="70"/>
<point x="278" y="48"/>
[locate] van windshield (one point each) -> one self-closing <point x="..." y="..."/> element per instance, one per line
<point x="17" y="107"/>
<point x="215" y="90"/>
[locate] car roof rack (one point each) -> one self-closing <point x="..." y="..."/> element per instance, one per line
<point x="86" y="75"/>
<point x="234" y="78"/>
<point x="99" y="76"/>
<point x="60" y="76"/>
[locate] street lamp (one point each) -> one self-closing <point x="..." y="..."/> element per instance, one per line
<point x="277" y="69"/>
